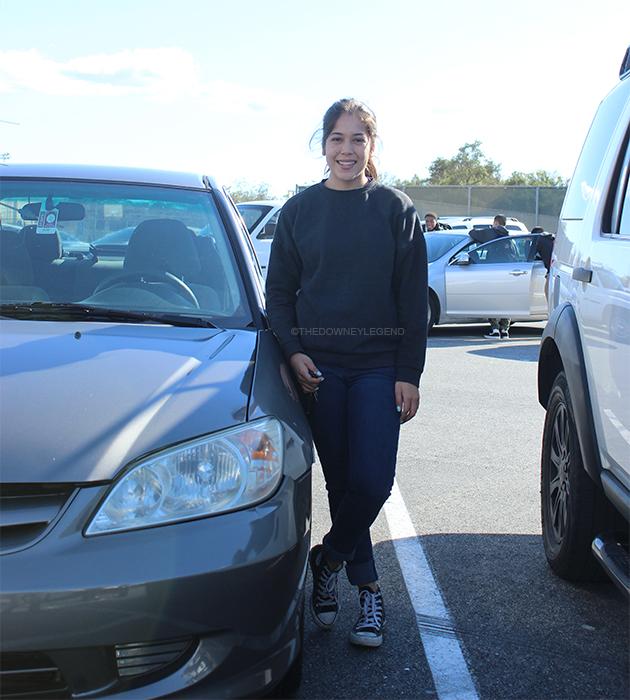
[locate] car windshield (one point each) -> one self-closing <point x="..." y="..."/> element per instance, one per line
<point x="253" y="214"/>
<point x="438" y="244"/>
<point x="142" y="249"/>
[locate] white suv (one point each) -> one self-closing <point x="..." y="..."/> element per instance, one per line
<point x="513" y="225"/>
<point x="584" y="364"/>
<point x="260" y="219"/>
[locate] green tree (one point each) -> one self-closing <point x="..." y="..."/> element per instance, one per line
<point x="539" y="178"/>
<point x="242" y="191"/>
<point x="469" y="166"/>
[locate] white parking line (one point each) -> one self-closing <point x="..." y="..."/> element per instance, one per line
<point x="450" y="672"/>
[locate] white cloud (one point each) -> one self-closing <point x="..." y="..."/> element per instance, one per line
<point x="162" y="74"/>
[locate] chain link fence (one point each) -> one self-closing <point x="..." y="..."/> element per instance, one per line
<point x="534" y="206"/>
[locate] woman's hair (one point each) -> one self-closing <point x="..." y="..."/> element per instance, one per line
<point x="366" y="117"/>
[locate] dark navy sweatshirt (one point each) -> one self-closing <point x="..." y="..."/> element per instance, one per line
<point x="347" y="279"/>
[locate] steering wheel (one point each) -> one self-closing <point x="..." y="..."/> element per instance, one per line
<point x="143" y="277"/>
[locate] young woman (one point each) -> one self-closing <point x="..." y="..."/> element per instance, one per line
<point x="347" y="299"/>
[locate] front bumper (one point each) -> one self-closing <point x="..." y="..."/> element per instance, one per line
<point x="226" y="589"/>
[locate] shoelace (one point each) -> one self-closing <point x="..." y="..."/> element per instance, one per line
<point x="371" y="609"/>
<point x="327" y="585"/>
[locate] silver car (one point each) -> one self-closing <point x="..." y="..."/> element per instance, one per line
<point x="155" y="458"/>
<point x="471" y="282"/>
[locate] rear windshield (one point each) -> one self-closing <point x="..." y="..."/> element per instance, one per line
<point x="122" y="246"/>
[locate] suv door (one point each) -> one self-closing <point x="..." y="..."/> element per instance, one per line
<point x="503" y="279"/>
<point x="264" y="238"/>
<point x="604" y="310"/>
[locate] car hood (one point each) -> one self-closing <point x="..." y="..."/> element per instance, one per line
<point x="80" y="401"/>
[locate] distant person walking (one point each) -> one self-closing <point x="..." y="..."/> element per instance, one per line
<point x="544" y="248"/>
<point x="431" y="223"/>
<point x="499" y="327"/>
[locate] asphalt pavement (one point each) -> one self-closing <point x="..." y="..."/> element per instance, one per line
<point x="468" y="473"/>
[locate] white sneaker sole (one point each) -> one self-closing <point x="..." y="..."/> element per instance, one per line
<point x="364" y="641"/>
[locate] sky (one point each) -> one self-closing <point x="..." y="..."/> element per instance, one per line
<point x="237" y="89"/>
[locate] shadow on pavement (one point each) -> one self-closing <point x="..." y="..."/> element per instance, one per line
<point x="510" y="351"/>
<point x="472" y="335"/>
<point x="524" y="632"/>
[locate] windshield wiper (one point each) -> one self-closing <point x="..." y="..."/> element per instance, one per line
<point x="49" y="310"/>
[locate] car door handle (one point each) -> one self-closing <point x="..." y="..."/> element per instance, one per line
<point x="582" y="274"/>
<point x="517" y="273"/>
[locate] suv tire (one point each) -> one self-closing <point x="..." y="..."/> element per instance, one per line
<point x="572" y="508"/>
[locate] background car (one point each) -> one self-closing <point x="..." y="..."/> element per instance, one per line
<point x="583" y="369"/>
<point x="469" y="282"/>
<point x="513" y="225"/>
<point x="261" y="218"/>
<point x="155" y="458"/>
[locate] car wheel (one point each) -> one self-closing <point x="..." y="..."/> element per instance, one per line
<point x="431" y="314"/>
<point x="571" y="505"/>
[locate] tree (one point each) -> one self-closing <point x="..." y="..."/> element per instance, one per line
<point x="539" y="178"/>
<point x="468" y="167"/>
<point x="242" y="191"/>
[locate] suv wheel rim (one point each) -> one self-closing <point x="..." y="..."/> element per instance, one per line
<point x="559" y="486"/>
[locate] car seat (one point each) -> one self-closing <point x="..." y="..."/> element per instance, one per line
<point x="17" y="281"/>
<point x="167" y="245"/>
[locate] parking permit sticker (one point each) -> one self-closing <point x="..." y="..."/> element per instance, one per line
<point x="47" y="221"/>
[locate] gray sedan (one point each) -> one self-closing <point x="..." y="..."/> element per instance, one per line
<point x="156" y="460"/>
<point x="471" y="282"/>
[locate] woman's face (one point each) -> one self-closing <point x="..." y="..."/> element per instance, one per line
<point x="347" y="150"/>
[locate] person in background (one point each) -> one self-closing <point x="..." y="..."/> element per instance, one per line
<point x="499" y="327"/>
<point x="544" y="249"/>
<point x="347" y="300"/>
<point x="431" y="223"/>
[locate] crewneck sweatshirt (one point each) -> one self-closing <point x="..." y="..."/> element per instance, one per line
<point x="347" y="279"/>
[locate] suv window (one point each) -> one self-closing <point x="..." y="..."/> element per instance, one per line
<point x="270" y="227"/>
<point x="617" y="218"/>
<point x="582" y="183"/>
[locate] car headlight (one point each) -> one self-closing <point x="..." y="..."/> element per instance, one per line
<point x="226" y="471"/>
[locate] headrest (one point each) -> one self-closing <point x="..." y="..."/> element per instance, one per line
<point x="165" y="245"/>
<point x="42" y="246"/>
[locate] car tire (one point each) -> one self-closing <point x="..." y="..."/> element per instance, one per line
<point x="432" y="314"/>
<point x="572" y="508"/>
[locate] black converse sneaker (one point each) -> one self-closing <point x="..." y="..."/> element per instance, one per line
<point x="368" y="629"/>
<point x="325" y="597"/>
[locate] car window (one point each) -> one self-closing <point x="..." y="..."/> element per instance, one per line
<point x="253" y="214"/>
<point x="123" y="246"/>
<point x="502" y="250"/>
<point x="624" y="223"/>
<point x="582" y="185"/>
<point x="616" y="218"/>
<point x="439" y="244"/>
<point x="269" y="228"/>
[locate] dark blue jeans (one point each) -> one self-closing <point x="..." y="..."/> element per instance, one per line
<point x="355" y="428"/>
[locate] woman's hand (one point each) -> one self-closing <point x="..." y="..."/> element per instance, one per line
<point x="407" y="400"/>
<point x="302" y="367"/>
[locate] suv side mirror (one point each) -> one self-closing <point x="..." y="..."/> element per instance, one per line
<point x="461" y="259"/>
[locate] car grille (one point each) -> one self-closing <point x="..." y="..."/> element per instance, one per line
<point x="27" y="511"/>
<point x="136" y="659"/>
<point x="30" y="675"/>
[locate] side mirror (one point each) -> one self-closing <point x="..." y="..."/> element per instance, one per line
<point x="462" y="259"/>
